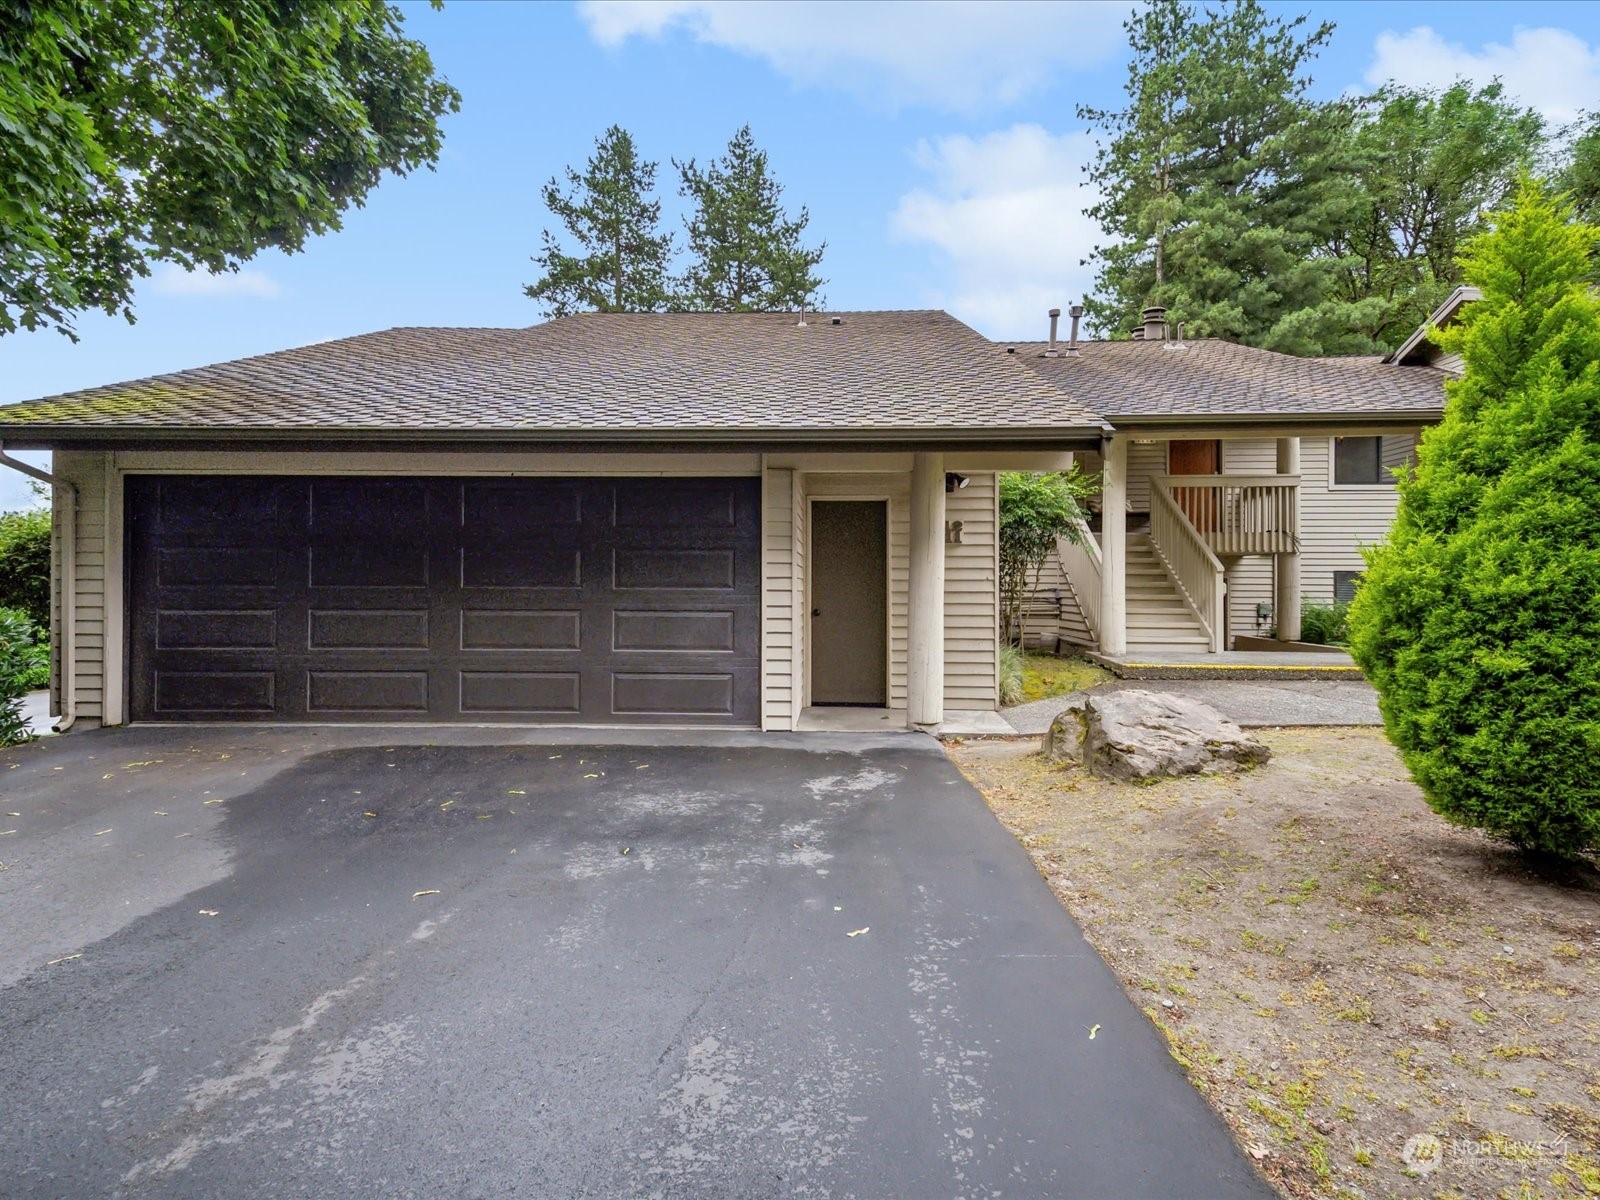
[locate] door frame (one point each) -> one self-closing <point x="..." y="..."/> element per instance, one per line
<point x="875" y="497"/>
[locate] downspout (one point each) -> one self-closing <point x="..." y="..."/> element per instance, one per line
<point x="66" y="635"/>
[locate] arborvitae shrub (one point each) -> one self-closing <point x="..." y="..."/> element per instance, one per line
<point x="1478" y="620"/>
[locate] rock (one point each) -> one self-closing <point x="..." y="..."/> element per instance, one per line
<point x="1138" y="734"/>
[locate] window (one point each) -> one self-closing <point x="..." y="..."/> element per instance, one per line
<point x="1344" y="585"/>
<point x="1370" y="461"/>
<point x="1358" y="460"/>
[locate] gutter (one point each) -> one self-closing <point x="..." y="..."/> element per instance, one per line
<point x="64" y="634"/>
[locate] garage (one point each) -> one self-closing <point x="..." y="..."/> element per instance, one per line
<point x="338" y="598"/>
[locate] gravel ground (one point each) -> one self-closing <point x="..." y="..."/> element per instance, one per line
<point x="1274" y="702"/>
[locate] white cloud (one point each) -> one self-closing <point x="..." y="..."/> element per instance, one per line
<point x="961" y="55"/>
<point x="172" y="280"/>
<point x="1006" y="211"/>
<point x="1552" y="70"/>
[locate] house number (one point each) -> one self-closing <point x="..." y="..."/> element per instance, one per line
<point x="952" y="533"/>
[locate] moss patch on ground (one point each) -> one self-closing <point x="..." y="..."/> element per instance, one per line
<point x="1045" y="675"/>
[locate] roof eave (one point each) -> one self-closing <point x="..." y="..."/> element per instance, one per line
<point x="71" y="436"/>
<point x="1309" y="424"/>
<point x="1462" y="295"/>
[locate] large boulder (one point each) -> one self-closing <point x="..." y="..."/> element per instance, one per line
<point x="1137" y="734"/>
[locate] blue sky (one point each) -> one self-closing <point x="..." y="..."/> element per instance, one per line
<point x="936" y="147"/>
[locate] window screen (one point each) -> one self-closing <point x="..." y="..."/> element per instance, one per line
<point x="1344" y="584"/>
<point x="1358" y="460"/>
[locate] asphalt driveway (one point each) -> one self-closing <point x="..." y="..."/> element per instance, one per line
<point x="313" y="963"/>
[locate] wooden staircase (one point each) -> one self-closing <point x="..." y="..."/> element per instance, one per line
<point x="1158" y="619"/>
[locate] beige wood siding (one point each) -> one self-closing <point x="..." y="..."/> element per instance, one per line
<point x="87" y="472"/>
<point x="1252" y="456"/>
<point x="1249" y="584"/>
<point x="971" y="598"/>
<point x="799" y="549"/>
<point x="1144" y="460"/>
<point x="896" y="488"/>
<point x="1249" y="578"/>
<point x="1335" y="522"/>
<point x="778" y="699"/>
<point x="1399" y="450"/>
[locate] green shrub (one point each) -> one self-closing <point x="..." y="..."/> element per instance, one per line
<point x="1479" y="619"/>
<point x="20" y="659"/>
<point x="1011" y="662"/>
<point x="25" y="564"/>
<point x="1325" y="624"/>
<point x="1035" y="510"/>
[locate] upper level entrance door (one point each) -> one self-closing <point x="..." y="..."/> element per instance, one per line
<point x="1196" y="458"/>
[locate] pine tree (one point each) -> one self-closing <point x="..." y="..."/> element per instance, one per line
<point x="1219" y="176"/>
<point x="621" y="263"/>
<point x="1479" y="619"/>
<point x="746" y="253"/>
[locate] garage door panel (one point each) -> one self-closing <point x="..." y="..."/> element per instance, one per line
<point x="400" y="692"/>
<point x="687" y="631"/>
<point x="376" y="629"/>
<point x="215" y="566"/>
<point x="491" y="504"/>
<point x="216" y="629"/>
<point x="528" y="692"/>
<point x="670" y="693"/>
<point x="233" y="693"/>
<point x="520" y="629"/>
<point x="520" y="562"/>
<point x="503" y="599"/>
<point x="202" y="505"/>
<point x="672" y="504"/>
<point x="657" y="569"/>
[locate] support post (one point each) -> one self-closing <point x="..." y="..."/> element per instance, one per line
<point x="1114" y="545"/>
<point x="925" y="618"/>
<point x="1286" y="567"/>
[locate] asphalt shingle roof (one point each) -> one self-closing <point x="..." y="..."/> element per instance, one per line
<point x="1143" y="380"/>
<point x="721" y="374"/>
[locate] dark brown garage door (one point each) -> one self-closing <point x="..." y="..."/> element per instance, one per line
<point x="345" y="599"/>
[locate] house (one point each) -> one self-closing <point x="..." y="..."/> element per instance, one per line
<point x="690" y="519"/>
<point x="1249" y="480"/>
<point x="696" y="519"/>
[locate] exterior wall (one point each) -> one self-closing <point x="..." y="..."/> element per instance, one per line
<point x="780" y="706"/>
<point x="88" y="473"/>
<point x="1144" y="460"/>
<point x="971" y="573"/>
<point x="1253" y="456"/>
<point x="972" y="598"/>
<point x="799" y="552"/>
<point x="1249" y="578"/>
<point x="1335" y="522"/>
<point x="1250" y="582"/>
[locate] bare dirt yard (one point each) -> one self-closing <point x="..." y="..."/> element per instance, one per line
<point x="1342" y="973"/>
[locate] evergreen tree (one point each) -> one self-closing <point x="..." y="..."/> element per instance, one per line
<point x="1219" y="177"/>
<point x="746" y="253"/>
<point x="621" y="264"/>
<point x="1427" y="166"/>
<point x="1479" y="619"/>
<point x="1579" y="176"/>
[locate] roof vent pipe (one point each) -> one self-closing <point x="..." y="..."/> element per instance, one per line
<point x="1155" y="323"/>
<point x="1076" y="313"/>
<point x="1055" y="319"/>
<point x="1138" y="333"/>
